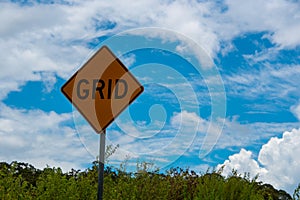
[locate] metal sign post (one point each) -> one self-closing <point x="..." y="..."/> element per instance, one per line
<point x="101" y="165"/>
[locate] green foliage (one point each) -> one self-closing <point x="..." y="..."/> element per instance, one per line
<point x="296" y="195"/>
<point x="12" y="184"/>
<point x="23" y="181"/>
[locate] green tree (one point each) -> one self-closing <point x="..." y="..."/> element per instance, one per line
<point x="296" y="194"/>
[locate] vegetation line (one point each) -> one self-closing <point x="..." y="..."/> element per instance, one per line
<point x="23" y="181"/>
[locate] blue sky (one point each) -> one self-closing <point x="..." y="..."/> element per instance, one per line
<point x="221" y="84"/>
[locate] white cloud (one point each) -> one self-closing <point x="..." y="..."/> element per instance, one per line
<point x="56" y="40"/>
<point x="31" y="43"/>
<point x="41" y="41"/>
<point x="185" y="118"/>
<point x="235" y="134"/>
<point x="277" y="81"/>
<point x="277" y="163"/>
<point x="147" y="142"/>
<point x="39" y="138"/>
<point x="185" y="132"/>
<point x="243" y="162"/>
<point x="128" y="60"/>
<point x="280" y="17"/>
<point x="295" y="109"/>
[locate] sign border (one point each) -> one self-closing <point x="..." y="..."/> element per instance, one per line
<point x="81" y="68"/>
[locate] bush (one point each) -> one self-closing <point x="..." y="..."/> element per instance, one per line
<point x="23" y="181"/>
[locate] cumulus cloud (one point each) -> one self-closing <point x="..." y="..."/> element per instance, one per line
<point x="243" y="162"/>
<point x="277" y="162"/>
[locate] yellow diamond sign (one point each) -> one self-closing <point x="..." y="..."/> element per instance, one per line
<point x="102" y="88"/>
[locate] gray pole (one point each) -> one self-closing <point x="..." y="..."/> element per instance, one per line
<point x="101" y="165"/>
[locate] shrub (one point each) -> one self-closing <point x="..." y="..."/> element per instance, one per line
<point x="23" y="181"/>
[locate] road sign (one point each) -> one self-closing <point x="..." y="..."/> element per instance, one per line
<point x="102" y="88"/>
